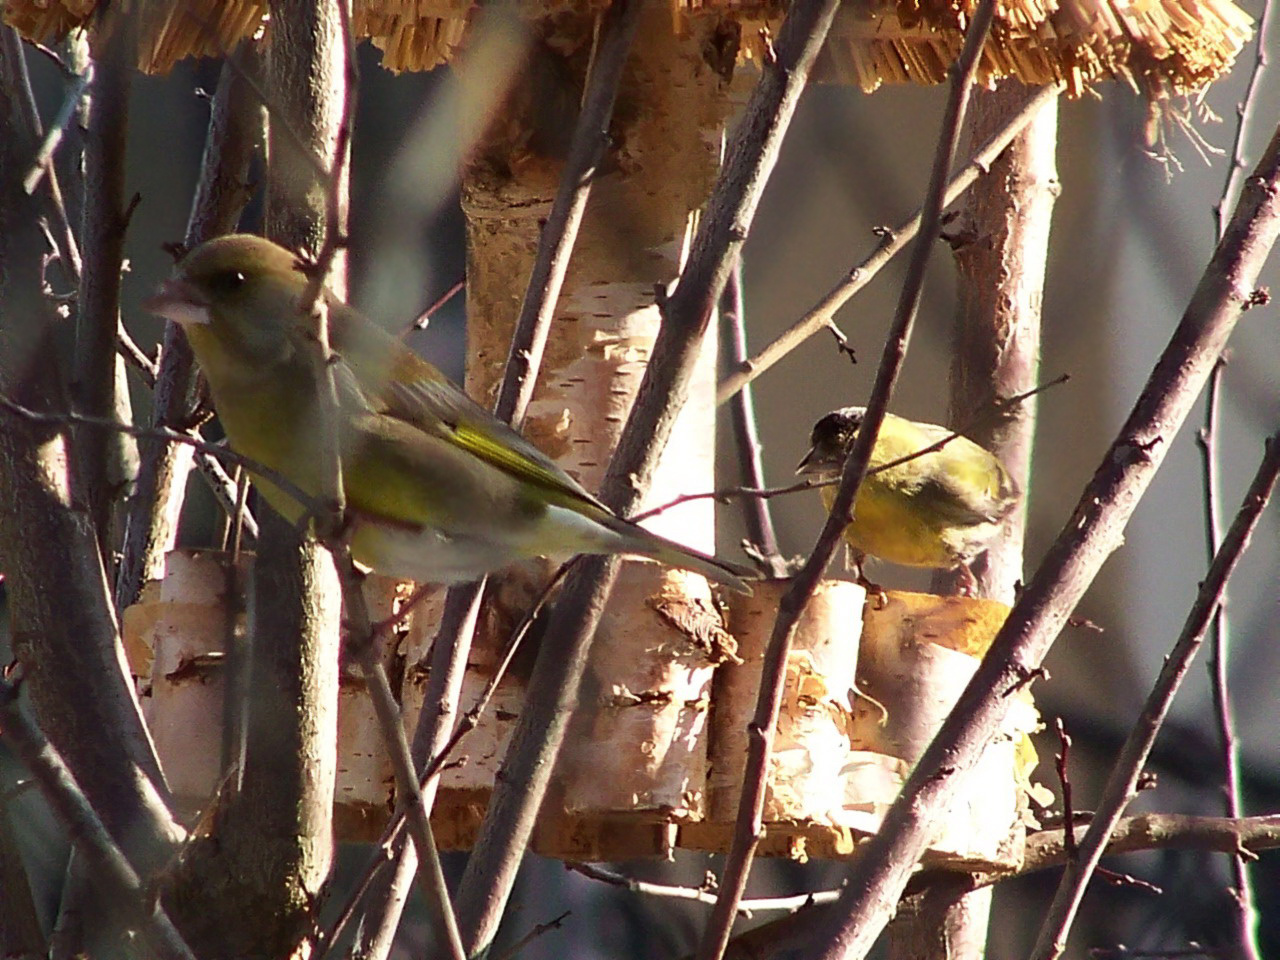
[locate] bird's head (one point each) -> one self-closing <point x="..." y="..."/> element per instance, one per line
<point x="829" y="443"/>
<point x="236" y="295"/>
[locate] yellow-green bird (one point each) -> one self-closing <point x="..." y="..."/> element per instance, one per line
<point x="940" y="509"/>
<point x="438" y="489"/>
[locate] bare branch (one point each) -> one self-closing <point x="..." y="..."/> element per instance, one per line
<point x="748" y="826"/>
<point x="1045" y="850"/>
<point x="1123" y="781"/>
<point x="362" y="645"/>
<point x="235" y="129"/>
<point x="57" y="129"/>
<point x="1092" y="532"/>
<point x="591" y="136"/>
<point x="389" y="845"/>
<point x="1219" y="658"/>
<point x="752" y="151"/>
<point x="421" y="320"/>
<point x="894" y="241"/>
<point x="1244" y="119"/>
<point x="105" y="222"/>
<point x="68" y="638"/>
<point x="216" y="450"/>
<point x="755" y="510"/>
<point x="109" y="868"/>
<point x="457" y="626"/>
<point x="698" y="894"/>
<point x="65" y="242"/>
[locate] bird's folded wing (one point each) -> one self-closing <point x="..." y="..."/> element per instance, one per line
<point x="395" y="381"/>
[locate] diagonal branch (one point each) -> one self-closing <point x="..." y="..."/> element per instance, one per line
<point x="553" y="689"/>
<point x="108" y="866"/>
<point x="235" y="129"/>
<point x="1093" y="531"/>
<point x="1122" y="784"/>
<point x="822" y="314"/>
<point x="746" y="435"/>
<point x="748" y="827"/>
<point x="456" y="631"/>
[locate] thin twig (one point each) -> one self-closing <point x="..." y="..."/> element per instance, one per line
<point x="1126" y="953"/>
<point x="57" y="129"/>
<point x="472" y="717"/>
<point x="1061" y="762"/>
<point x="225" y="454"/>
<point x="746" y="435"/>
<point x="128" y="348"/>
<point x="726" y="494"/>
<point x="1123" y="781"/>
<point x="11" y="49"/>
<point x="748" y="825"/>
<point x="1219" y="663"/>
<point x="1246" y="927"/>
<point x="235" y="127"/>
<point x="229" y="494"/>
<point x="110" y="869"/>
<point x="391" y="833"/>
<point x="421" y="320"/>
<point x="894" y="242"/>
<point x="431" y="874"/>
<point x="618" y="25"/>
<point x="52" y="56"/>
<point x="1244" y="121"/>
<point x="534" y="934"/>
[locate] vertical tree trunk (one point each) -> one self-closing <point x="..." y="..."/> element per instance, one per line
<point x="94" y="384"/>
<point x="273" y="847"/>
<point x="666" y="137"/>
<point x="1001" y="246"/>
<point x="235" y="127"/>
<point x="64" y="631"/>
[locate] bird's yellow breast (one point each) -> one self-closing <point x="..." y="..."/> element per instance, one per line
<point x="271" y="419"/>
<point x="890" y="524"/>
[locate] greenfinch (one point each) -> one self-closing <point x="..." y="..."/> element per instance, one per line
<point x="940" y="509"/>
<point x="438" y="489"/>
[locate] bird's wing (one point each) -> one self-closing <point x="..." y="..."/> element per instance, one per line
<point x="400" y="384"/>
<point x="971" y="484"/>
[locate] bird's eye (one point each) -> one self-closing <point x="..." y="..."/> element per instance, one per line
<point x="228" y="281"/>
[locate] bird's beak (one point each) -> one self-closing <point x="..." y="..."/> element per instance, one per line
<point x="178" y="300"/>
<point x="809" y="464"/>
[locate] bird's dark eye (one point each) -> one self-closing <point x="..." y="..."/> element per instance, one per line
<point x="228" y="281"/>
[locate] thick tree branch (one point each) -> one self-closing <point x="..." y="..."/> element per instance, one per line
<point x="94" y="382"/>
<point x="1093" y="531"/>
<point x="109" y="869"/>
<point x="236" y="125"/>
<point x="1122" y="784"/>
<point x="65" y="638"/>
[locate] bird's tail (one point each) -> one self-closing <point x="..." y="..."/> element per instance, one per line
<point x="646" y="544"/>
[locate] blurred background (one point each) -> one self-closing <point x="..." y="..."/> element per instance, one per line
<point x="1131" y="235"/>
